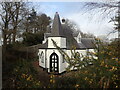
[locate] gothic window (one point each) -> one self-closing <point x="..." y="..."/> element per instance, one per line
<point x="79" y="39"/>
<point x="54" y="62"/>
<point x="42" y="57"/>
<point x="63" y="58"/>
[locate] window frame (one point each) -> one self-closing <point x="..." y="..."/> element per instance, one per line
<point x="42" y="57"/>
<point x="63" y="56"/>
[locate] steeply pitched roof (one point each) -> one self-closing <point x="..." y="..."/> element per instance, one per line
<point x="88" y="42"/>
<point x="60" y="30"/>
<point x="81" y="45"/>
<point x="75" y="34"/>
<point x="70" y="40"/>
<point x="57" y="28"/>
<point x="45" y="45"/>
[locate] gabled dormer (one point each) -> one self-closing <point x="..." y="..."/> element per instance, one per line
<point x="77" y="37"/>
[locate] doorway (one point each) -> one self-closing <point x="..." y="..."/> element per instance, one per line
<point x="54" y="62"/>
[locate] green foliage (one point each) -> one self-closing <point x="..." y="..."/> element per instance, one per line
<point x="36" y="23"/>
<point x="21" y="75"/>
<point x="33" y="38"/>
<point x="17" y="70"/>
<point x="104" y="71"/>
<point x="66" y="82"/>
<point x="24" y="75"/>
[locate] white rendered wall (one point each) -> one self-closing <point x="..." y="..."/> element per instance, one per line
<point x="91" y="50"/>
<point x="61" y="42"/>
<point x="61" y="64"/>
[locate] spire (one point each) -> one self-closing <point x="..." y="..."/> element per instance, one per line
<point x="57" y="28"/>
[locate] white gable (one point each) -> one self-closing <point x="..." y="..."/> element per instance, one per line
<point x="78" y="38"/>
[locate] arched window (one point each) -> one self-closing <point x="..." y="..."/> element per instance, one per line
<point x="42" y="57"/>
<point x="63" y="58"/>
<point x="54" y="62"/>
<point x="79" y="39"/>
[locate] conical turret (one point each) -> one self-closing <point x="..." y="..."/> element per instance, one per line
<point x="57" y="28"/>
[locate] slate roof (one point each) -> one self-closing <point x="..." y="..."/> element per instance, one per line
<point x="86" y="43"/>
<point x="81" y="45"/>
<point x="57" y="28"/>
<point x="75" y="34"/>
<point x="45" y="45"/>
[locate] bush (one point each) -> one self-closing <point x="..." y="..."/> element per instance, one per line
<point x="23" y="76"/>
<point x="104" y="71"/>
<point x="33" y="38"/>
<point x="66" y="82"/>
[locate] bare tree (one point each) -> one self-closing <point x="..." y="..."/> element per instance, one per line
<point x="106" y="8"/>
<point x="71" y="26"/>
<point x="15" y="18"/>
<point x="109" y="7"/>
<point x="6" y="18"/>
<point x="11" y="15"/>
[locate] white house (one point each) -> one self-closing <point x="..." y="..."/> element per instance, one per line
<point x="50" y="58"/>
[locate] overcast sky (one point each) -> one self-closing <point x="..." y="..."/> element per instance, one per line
<point x="75" y="11"/>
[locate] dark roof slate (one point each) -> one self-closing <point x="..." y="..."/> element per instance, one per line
<point x="45" y="45"/>
<point x="57" y="28"/>
<point x="75" y="34"/>
<point x="81" y="45"/>
<point x="86" y="43"/>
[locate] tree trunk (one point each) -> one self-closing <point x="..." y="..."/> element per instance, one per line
<point x="14" y="35"/>
<point x="4" y="46"/>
